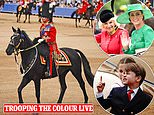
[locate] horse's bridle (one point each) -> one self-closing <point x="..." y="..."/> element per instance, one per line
<point x="17" y="50"/>
<point x="16" y="47"/>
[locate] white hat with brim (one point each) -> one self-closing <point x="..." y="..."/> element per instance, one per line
<point x="124" y="18"/>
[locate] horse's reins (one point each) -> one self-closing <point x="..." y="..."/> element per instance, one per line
<point x="30" y="65"/>
<point x="25" y="71"/>
<point x="16" y="52"/>
<point x="22" y="50"/>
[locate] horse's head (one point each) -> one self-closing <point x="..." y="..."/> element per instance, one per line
<point x="15" y="41"/>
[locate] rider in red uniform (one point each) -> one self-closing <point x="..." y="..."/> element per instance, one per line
<point x="22" y="2"/>
<point x="83" y="9"/>
<point x="48" y="33"/>
<point x="98" y="5"/>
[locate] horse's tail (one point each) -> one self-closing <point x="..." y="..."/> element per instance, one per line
<point x="87" y="69"/>
<point x="72" y="15"/>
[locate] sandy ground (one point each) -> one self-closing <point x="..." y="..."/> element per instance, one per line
<point x="67" y="36"/>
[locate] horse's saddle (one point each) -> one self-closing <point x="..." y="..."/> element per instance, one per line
<point x="61" y="60"/>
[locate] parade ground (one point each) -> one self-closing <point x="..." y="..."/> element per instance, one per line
<point x="67" y="36"/>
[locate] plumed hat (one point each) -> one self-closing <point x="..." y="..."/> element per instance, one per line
<point x="106" y="15"/>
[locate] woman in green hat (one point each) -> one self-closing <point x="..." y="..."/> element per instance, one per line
<point x="143" y="35"/>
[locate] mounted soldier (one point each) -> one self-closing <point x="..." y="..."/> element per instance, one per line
<point x="84" y="6"/>
<point x="99" y="4"/>
<point x="24" y="3"/>
<point x="25" y="7"/>
<point x="48" y="34"/>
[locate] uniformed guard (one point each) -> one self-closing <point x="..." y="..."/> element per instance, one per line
<point x="48" y="33"/>
<point x="84" y="6"/>
<point x="99" y="4"/>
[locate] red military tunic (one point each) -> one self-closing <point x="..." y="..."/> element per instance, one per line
<point x="111" y="44"/>
<point x="49" y="31"/>
<point x="22" y="2"/>
<point x="99" y="5"/>
<point x="84" y="7"/>
<point x="43" y="1"/>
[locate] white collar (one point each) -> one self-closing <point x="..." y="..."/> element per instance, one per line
<point x="135" y="90"/>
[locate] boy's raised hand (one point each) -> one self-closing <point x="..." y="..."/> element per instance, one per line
<point x="100" y="86"/>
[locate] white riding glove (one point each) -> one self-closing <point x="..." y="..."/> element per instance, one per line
<point x="40" y="40"/>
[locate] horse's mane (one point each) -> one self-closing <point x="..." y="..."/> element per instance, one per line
<point x="25" y="34"/>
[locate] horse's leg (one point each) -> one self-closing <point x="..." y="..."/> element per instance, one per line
<point x="79" y="22"/>
<point x="29" y="18"/>
<point x="63" y="86"/>
<point x="81" y="17"/>
<point x="39" y="19"/>
<point x="23" y="83"/>
<point x="39" y="14"/>
<point x="87" y="22"/>
<point x="76" y="21"/>
<point x="37" y="90"/>
<point x="78" y="76"/>
<point x="25" y="18"/>
<point x="92" y="23"/>
<point x="19" y="16"/>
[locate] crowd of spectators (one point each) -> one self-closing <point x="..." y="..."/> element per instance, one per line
<point x="63" y="3"/>
<point x="70" y="3"/>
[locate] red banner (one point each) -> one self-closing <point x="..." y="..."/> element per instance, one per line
<point x="78" y="108"/>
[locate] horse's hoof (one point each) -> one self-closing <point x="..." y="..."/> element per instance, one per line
<point x="21" y="102"/>
<point x="24" y="21"/>
<point x="35" y="114"/>
<point x="59" y="101"/>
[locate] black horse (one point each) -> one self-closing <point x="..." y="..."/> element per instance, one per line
<point x="34" y="70"/>
<point x="89" y="15"/>
<point x="27" y="10"/>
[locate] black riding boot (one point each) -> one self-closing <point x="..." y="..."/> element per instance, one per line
<point x="47" y="73"/>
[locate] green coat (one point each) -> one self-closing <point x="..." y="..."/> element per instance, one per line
<point x="141" y="38"/>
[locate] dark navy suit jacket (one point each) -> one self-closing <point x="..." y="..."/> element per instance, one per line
<point x="120" y="105"/>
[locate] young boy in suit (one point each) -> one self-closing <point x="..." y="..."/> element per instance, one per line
<point x="129" y="99"/>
